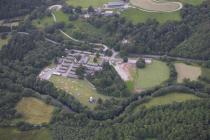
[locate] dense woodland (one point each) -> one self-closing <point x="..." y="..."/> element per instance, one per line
<point x="109" y="83"/>
<point x="187" y="38"/>
<point x="16" y="8"/>
<point x="22" y="59"/>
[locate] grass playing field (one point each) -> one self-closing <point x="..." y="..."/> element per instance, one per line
<point x="80" y="89"/>
<point x="169" y="99"/>
<point x="34" y="110"/>
<point x="138" y="16"/>
<point x="87" y="3"/>
<point x="185" y="71"/>
<point x="152" y="75"/>
<point x="14" y="134"/>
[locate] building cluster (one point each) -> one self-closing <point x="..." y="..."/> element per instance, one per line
<point x="74" y="60"/>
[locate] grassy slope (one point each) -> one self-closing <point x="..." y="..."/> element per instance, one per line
<point x="80" y="89"/>
<point x="3" y="42"/>
<point x="137" y="16"/>
<point x="14" y="134"/>
<point x="87" y="3"/>
<point x="43" y="22"/>
<point x="154" y="74"/>
<point x="206" y="72"/>
<point x="187" y="71"/>
<point x="170" y="98"/>
<point x="34" y="110"/>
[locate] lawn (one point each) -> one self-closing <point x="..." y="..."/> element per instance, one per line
<point x="138" y="16"/>
<point x="169" y="99"/>
<point x="14" y="134"/>
<point x="80" y="89"/>
<point x="185" y="71"/>
<point x="152" y="75"/>
<point x="34" y="110"/>
<point x="87" y="3"/>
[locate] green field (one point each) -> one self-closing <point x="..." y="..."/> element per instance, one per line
<point x="185" y="71"/>
<point x="138" y="16"/>
<point x="3" y="42"/>
<point x="152" y="75"/>
<point x="192" y="2"/>
<point x="14" y="134"/>
<point x="169" y="99"/>
<point x="43" y="22"/>
<point x="87" y="3"/>
<point x="80" y="89"/>
<point x="205" y="72"/>
<point x="34" y="111"/>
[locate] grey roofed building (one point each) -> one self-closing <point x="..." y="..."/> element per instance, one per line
<point x="115" y="4"/>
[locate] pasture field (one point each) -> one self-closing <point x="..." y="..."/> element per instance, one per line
<point x="169" y="99"/>
<point x="152" y="75"/>
<point x="11" y="133"/>
<point x="137" y="16"/>
<point x="87" y="3"/>
<point x="156" y="6"/>
<point x="185" y="71"/>
<point x="80" y="89"/>
<point x="34" y="110"/>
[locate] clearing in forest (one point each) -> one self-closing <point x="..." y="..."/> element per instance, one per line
<point x="10" y="133"/>
<point x="156" y="6"/>
<point x="3" y="42"/>
<point x="169" y="99"/>
<point x="82" y="90"/>
<point x="185" y="71"/>
<point x="34" y="111"/>
<point x="152" y="75"/>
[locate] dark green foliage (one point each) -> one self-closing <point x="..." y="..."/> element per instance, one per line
<point x="80" y="71"/>
<point x="140" y="63"/>
<point x="109" y="83"/>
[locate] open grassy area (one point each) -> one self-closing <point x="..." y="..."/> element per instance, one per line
<point x="80" y="89"/>
<point x="43" y="22"/>
<point x="169" y="99"/>
<point x="192" y="2"/>
<point x="14" y="134"/>
<point x="87" y="3"/>
<point x="3" y="42"/>
<point x="138" y="16"/>
<point x="185" y="71"/>
<point x="152" y="75"/>
<point x="205" y="72"/>
<point x="34" y="110"/>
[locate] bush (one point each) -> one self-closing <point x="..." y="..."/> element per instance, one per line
<point x="140" y="63"/>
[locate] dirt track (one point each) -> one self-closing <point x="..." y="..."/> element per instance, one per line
<point x="155" y="6"/>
